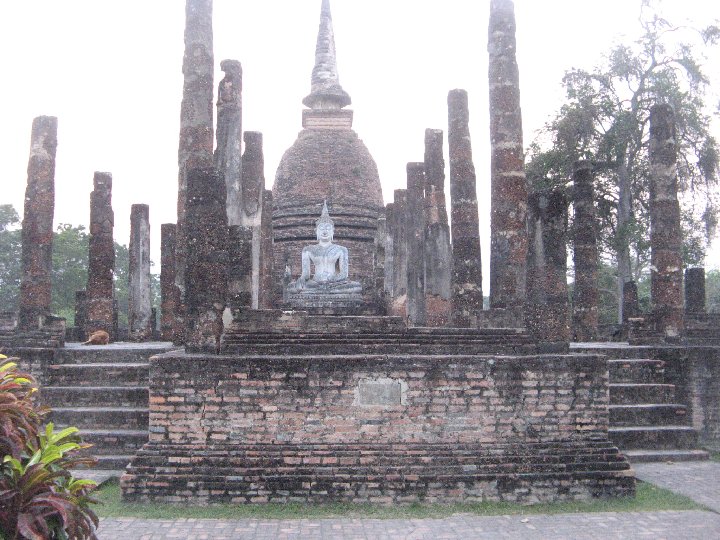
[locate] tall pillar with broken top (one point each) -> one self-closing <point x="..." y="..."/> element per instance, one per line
<point x="196" y="116"/>
<point x="415" y="223"/>
<point x="438" y="251"/>
<point x="101" y="258"/>
<point x="37" y="226"/>
<point x="467" y="294"/>
<point x="665" y="233"/>
<point x="252" y="189"/>
<point x="229" y="136"/>
<point x="390" y="224"/>
<point x="546" y="309"/>
<point x="139" y="301"/>
<point x="170" y="324"/>
<point x="398" y="300"/>
<point x="585" y="255"/>
<point x="207" y="262"/>
<point x="508" y="234"/>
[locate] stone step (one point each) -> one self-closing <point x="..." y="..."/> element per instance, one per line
<point x="643" y="370"/>
<point x="93" y="374"/>
<point x="101" y="417"/>
<point x="636" y="393"/>
<point x="108" y="354"/>
<point x="98" y="396"/>
<point x="109" y="462"/>
<point x="350" y="348"/>
<point x="653" y="437"/>
<point x="654" y="414"/>
<point x="648" y="456"/>
<point x="113" y="441"/>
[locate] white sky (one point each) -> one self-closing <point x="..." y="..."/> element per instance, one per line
<point x="111" y="71"/>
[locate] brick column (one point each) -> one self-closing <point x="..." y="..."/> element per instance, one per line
<point x="467" y="294"/>
<point x="170" y="322"/>
<point x="585" y="255"/>
<point x="631" y="302"/>
<point x="229" y="136"/>
<point x="240" y="267"/>
<point x="207" y="262"/>
<point x="196" y="119"/>
<point x="415" y="225"/>
<point x="265" y="289"/>
<point x="665" y="233"/>
<point x="695" y="290"/>
<point x="438" y="251"/>
<point x="390" y="225"/>
<point x="546" y="309"/>
<point x="379" y="262"/>
<point x="80" y="315"/>
<point x="37" y="226"/>
<point x="139" y="304"/>
<point x="508" y="235"/>
<point x="252" y="189"/>
<point x="101" y="258"/>
<point x="398" y="303"/>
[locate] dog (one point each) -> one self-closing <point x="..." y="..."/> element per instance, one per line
<point x="99" y="337"/>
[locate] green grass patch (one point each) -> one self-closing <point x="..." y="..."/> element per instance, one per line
<point x="714" y="456"/>
<point x="649" y="498"/>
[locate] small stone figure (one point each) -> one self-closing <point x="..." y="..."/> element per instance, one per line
<point x="330" y="262"/>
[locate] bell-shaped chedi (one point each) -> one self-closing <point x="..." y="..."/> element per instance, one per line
<point x="327" y="162"/>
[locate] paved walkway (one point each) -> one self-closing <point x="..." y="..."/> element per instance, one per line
<point x="698" y="480"/>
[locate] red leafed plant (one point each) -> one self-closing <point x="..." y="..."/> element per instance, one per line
<point x="39" y="498"/>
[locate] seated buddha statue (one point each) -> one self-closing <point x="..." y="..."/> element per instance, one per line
<point x="330" y="262"/>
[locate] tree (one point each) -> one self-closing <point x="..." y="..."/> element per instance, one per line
<point x="10" y="253"/>
<point x="69" y="272"/>
<point x="606" y="121"/>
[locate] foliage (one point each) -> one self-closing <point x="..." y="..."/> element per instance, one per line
<point x="10" y="255"/>
<point x="712" y="291"/>
<point x="606" y="121"/>
<point x="69" y="272"/>
<point x="39" y="498"/>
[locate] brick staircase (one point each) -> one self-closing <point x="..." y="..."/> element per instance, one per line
<point x="646" y="422"/>
<point x="103" y="391"/>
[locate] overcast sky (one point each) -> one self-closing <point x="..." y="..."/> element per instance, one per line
<point x="110" y="70"/>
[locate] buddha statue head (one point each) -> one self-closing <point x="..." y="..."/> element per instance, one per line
<point x="324" y="227"/>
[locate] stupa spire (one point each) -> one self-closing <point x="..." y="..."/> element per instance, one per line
<point x="326" y="92"/>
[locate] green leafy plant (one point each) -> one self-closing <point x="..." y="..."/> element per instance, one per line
<point x="39" y="498"/>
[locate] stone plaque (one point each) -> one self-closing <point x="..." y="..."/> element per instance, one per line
<point x="380" y="392"/>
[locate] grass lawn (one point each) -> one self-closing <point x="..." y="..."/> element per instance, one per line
<point x="649" y="498"/>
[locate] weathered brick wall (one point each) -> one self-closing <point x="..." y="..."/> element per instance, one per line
<point x="203" y="400"/>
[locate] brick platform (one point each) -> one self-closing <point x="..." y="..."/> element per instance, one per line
<point x="381" y="428"/>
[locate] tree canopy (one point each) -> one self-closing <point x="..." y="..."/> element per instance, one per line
<point x="606" y="120"/>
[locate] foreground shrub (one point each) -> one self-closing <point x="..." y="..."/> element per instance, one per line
<point x="39" y="498"/>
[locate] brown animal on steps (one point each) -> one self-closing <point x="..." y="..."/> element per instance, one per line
<point x="99" y="337"/>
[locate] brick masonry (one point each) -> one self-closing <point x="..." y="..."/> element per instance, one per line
<point x="170" y="323"/>
<point x="280" y="428"/>
<point x="101" y="258"/>
<point x="37" y="226"/>
<point x="415" y="227"/>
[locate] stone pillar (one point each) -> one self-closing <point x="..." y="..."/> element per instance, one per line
<point x="265" y="290"/>
<point x="170" y="322"/>
<point x="80" y="315"/>
<point x="251" y="197"/>
<point x="390" y="224"/>
<point x="139" y="304"/>
<point x="207" y="260"/>
<point x="438" y="251"/>
<point x="398" y="304"/>
<point x="379" y="262"/>
<point x="665" y="233"/>
<point x="467" y="294"/>
<point x="101" y="257"/>
<point x="585" y="255"/>
<point x="415" y="224"/>
<point x="508" y="234"/>
<point x="196" y="119"/>
<point x="546" y="309"/>
<point x="695" y="290"/>
<point x="37" y="226"/>
<point x="229" y="136"/>
<point x="240" y="267"/>
<point x="631" y="302"/>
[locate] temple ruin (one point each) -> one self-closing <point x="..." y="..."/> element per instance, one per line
<point x="330" y="347"/>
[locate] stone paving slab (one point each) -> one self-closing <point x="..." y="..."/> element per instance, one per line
<point x="699" y="480"/>
<point x="605" y="526"/>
